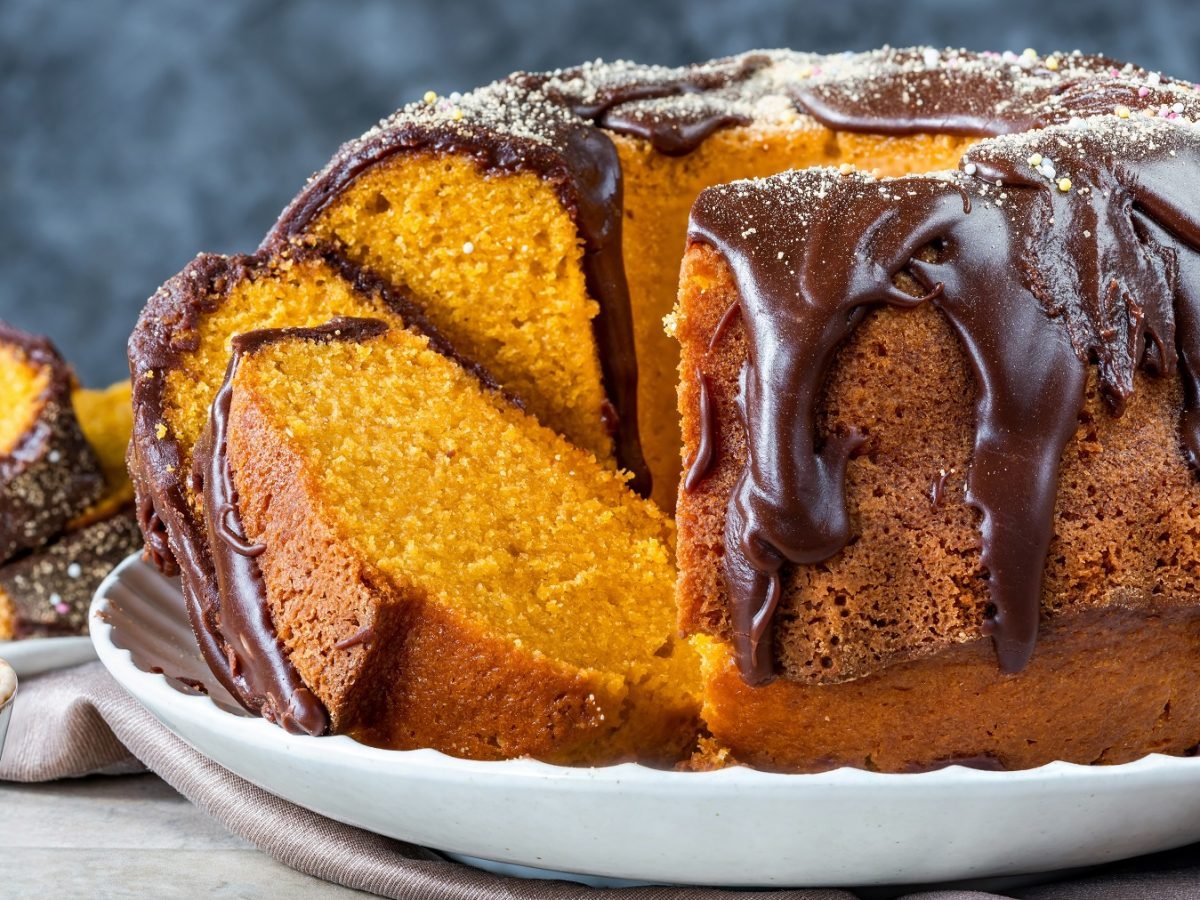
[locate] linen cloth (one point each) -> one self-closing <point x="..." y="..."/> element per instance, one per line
<point x="80" y="722"/>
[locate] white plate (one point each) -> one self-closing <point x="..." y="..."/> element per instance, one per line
<point x="33" y="656"/>
<point x="731" y="827"/>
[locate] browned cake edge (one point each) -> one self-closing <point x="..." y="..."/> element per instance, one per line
<point x="1105" y="687"/>
<point x="166" y="332"/>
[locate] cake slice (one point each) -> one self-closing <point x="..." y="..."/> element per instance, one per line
<point x="106" y="418"/>
<point x="47" y="592"/>
<point x="939" y="504"/>
<point x="439" y="569"/>
<point x="178" y="354"/>
<point x="48" y="471"/>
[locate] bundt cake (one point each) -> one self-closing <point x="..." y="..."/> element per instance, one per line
<point x="48" y="471"/>
<point x="45" y="591"/>
<point x="863" y="579"/>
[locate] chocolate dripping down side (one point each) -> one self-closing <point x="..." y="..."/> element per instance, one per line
<point x="1034" y="285"/>
<point x="267" y="682"/>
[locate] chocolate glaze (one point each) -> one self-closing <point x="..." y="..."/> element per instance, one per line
<point x="1035" y="282"/>
<point x="257" y="660"/>
<point x="925" y="91"/>
<point x="364" y="635"/>
<point x="556" y="125"/>
<point x="699" y="467"/>
<point x="51" y="474"/>
<point x="149" y="620"/>
<point x="676" y="136"/>
<point x="937" y="489"/>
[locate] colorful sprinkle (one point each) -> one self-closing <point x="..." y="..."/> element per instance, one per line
<point x="970" y="168"/>
<point x="74" y="570"/>
<point x="1035" y="160"/>
<point x="1122" y="112"/>
<point x="430" y="97"/>
<point x="1064" y="184"/>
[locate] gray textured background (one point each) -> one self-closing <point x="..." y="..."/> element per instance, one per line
<point x="135" y="133"/>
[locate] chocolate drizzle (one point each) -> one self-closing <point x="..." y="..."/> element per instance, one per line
<point x="1035" y="279"/>
<point x="937" y="489"/>
<point x="242" y="628"/>
<point x="699" y="467"/>
<point x="556" y="124"/>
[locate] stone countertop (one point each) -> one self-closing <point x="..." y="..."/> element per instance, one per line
<point x="132" y="836"/>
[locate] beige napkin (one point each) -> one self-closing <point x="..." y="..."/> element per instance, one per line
<point x="80" y="722"/>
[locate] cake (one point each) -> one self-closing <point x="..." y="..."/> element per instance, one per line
<point x="48" y="471"/>
<point x="871" y="554"/>
<point x="46" y="588"/>
<point x="351" y="465"/>
<point x="535" y="226"/>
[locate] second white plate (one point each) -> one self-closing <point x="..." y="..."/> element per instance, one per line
<point x="34" y="656"/>
<point x="735" y="827"/>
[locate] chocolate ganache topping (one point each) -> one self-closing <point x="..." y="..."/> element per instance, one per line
<point x="265" y="679"/>
<point x="1048" y="250"/>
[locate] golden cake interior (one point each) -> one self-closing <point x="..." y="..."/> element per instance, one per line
<point x="21" y="385"/>
<point x="444" y="497"/>
<point x="495" y="261"/>
<point x="284" y="292"/>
